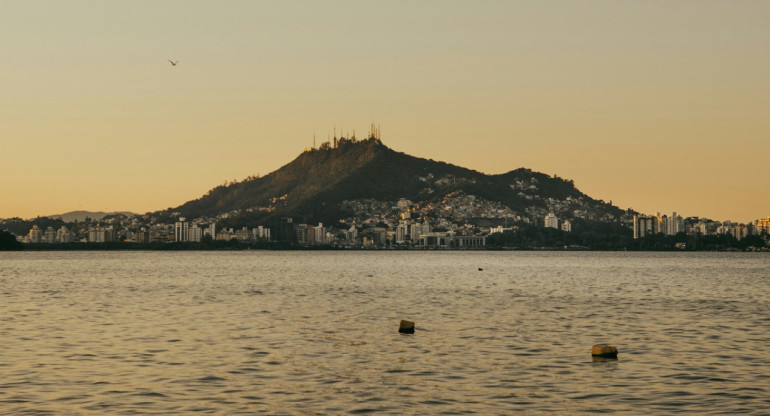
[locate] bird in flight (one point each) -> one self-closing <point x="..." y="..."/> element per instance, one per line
<point x="173" y="63"/>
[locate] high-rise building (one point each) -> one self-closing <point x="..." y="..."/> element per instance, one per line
<point x="643" y="225"/>
<point x="35" y="234"/>
<point x="320" y="234"/>
<point x="303" y="235"/>
<point x="763" y="226"/>
<point x="49" y="236"/>
<point x="418" y="229"/>
<point x="195" y="233"/>
<point x="243" y="235"/>
<point x="182" y="231"/>
<point x="142" y="236"/>
<point x="401" y="232"/>
<point x="260" y="233"/>
<point x="284" y="232"/>
<point x="101" y="234"/>
<point x="64" y="235"/>
<point x="674" y="225"/>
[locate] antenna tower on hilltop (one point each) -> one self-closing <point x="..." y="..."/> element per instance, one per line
<point x="374" y="131"/>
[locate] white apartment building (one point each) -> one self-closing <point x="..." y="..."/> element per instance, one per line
<point x="195" y="233"/>
<point x="35" y="234"/>
<point x="182" y="230"/>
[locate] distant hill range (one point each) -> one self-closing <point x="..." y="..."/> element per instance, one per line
<point x="314" y="185"/>
<point x="82" y="215"/>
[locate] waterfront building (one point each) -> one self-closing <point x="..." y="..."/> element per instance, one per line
<point x="500" y="229"/>
<point x="401" y="232"/>
<point x="319" y="236"/>
<point x="417" y="229"/>
<point x="470" y="241"/>
<point x="551" y="221"/>
<point x="261" y="233"/>
<point x="226" y="234"/>
<point x="49" y="236"/>
<point x="101" y="234"/>
<point x="566" y="226"/>
<point x="35" y="235"/>
<point x="284" y="231"/>
<point x="741" y="231"/>
<point x="211" y="230"/>
<point x="351" y="234"/>
<point x="195" y="233"/>
<point x="643" y="225"/>
<point x="243" y="235"/>
<point x="434" y="240"/>
<point x="302" y="236"/>
<point x="64" y="235"/>
<point x="142" y="236"/>
<point x="675" y="225"/>
<point x="762" y="226"/>
<point x="379" y="235"/>
<point x="182" y="231"/>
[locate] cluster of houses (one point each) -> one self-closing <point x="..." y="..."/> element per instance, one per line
<point x="386" y="231"/>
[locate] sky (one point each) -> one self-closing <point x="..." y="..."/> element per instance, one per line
<point x="659" y="106"/>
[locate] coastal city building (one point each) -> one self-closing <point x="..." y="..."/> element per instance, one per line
<point x="551" y="221"/>
<point x="195" y="233"/>
<point x="456" y="220"/>
<point x="35" y="235"/>
<point x="182" y="230"/>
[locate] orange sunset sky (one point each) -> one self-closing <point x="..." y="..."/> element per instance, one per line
<point x="655" y="105"/>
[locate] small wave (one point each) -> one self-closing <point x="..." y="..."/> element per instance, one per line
<point x="211" y="378"/>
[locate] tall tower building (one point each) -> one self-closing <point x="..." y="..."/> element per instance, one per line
<point x="182" y="230"/>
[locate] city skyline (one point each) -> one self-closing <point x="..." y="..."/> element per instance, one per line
<point x="656" y="107"/>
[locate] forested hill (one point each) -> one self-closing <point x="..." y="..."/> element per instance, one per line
<point x="314" y="185"/>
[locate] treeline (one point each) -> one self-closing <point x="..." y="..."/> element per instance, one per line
<point x="588" y="235"/>
<point x="206" y="244"/>
<point x="698" y="242"/>
<point x="8" y="242"/>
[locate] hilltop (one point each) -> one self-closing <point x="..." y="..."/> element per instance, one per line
<point x="319" y="185"/>
<point x="83" y="215"/>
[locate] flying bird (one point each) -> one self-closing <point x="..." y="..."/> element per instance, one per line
<point x="173" y="63"/>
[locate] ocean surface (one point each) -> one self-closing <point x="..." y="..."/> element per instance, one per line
<point x="306" y="333"/>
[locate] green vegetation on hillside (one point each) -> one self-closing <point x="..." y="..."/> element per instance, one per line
<point x="312" y="187"/>
<point x="8" y="242"/>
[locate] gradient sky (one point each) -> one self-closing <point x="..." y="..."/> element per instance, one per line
<point x="655" y="105"/>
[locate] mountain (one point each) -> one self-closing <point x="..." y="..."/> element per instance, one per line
<point x="314" y="185"/>
<point x="82" y="215"/>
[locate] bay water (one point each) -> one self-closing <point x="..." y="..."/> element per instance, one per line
<point x="316" y="332"/>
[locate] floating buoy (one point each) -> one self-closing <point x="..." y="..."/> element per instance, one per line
<point x="406" y="327"/>
<point x="606" y="351"/>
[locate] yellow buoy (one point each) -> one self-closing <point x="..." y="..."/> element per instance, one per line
<point x="604" y="351"/>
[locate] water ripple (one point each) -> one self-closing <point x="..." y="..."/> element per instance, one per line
<point x="313" y="333"/>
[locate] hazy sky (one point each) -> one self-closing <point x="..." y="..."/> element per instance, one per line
<point x="655" y="105"/>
